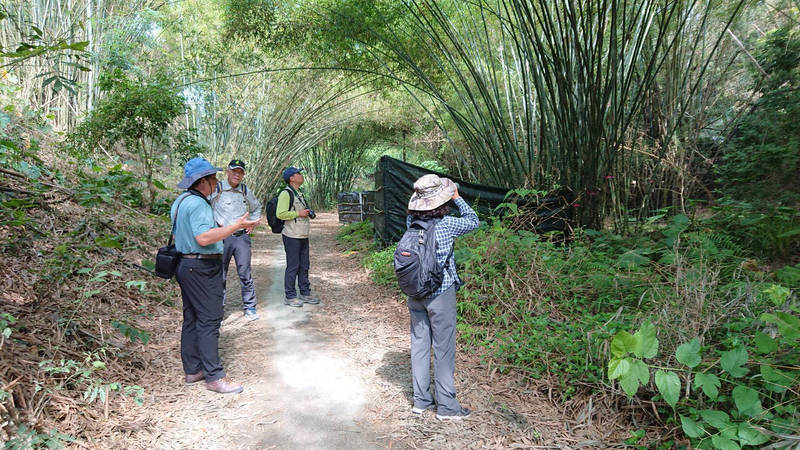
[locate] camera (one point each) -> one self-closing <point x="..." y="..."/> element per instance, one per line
<point x="311" y="214"/>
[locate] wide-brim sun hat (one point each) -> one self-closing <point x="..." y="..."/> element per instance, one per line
<point x="195" y="169"/>
<point x="431" y="192"/>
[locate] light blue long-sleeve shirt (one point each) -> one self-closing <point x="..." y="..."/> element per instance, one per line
<point x="195" y="217"/>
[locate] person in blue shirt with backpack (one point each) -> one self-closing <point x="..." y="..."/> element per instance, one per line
<point x="433" y="317"/>
<point x="198" y="240"/>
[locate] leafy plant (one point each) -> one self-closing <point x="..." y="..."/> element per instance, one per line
<point x="747" y="390"/>
<point x="7" y="322"/>
<point x="135" y="115"/>
<point x="27" y="438"/>
<point x="131" y="331"/>
<point x="381" y="266"/>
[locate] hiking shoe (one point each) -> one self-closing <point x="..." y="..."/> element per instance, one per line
<point x="294" y="302"/>
<point x="309" y="299"/>
<point x="458" y="415"/>
<point x="418" y="410"/>
<point x="192" y="378"/>
<point x="223" y="387"/>
<point x="250" y="314"/>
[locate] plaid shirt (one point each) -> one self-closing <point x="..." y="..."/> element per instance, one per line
<point x="446" y="232"/>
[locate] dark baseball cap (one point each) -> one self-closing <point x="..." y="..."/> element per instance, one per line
<point x="236" y="164"/>
<point x="291" y="171"/>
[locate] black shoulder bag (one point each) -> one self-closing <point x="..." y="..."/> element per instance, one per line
<point x="167" y="257"/>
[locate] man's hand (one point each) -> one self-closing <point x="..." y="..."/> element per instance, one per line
<point x="455" y="194"/>
<point x="248" y="225"/>
<point x="303" y="213"/>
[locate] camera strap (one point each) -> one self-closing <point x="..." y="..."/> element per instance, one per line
<point x="299" y="197"/>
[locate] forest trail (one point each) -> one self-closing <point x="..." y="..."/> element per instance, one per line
<point x="337" y="375"/>
<point x="300" y="388"/>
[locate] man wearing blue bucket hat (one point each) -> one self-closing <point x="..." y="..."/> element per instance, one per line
<point x="199" y="273"/>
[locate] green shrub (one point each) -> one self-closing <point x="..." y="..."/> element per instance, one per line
<point x="759" y="229"/>
<point x="357" y="237"/>
<point x="381" y="267"/>
<point x="738" y="393"/>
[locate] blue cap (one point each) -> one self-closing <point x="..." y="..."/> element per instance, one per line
<point x="289" y="172"/>
<point x="195" y="169"/>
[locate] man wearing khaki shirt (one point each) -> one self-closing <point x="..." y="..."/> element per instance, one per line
<point x="231" y="200"/>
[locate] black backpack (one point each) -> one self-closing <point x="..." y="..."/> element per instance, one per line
<point x="275" y="224"/>
<point x="418" y="273"/>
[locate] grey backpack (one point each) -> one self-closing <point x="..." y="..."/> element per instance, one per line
<point x="418" y="273"/>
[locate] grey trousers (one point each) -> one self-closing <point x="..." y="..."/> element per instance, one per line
<point x="201" y="289"/>
<point x="238" y="247"/>
<point x="433" y="321"/>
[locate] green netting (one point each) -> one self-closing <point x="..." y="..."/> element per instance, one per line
<point x="394" y="184"/>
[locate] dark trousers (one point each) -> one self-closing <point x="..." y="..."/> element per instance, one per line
<point x="297" y="264"/>
<point x="201" y="289"/>
<point x="238" y="247"/>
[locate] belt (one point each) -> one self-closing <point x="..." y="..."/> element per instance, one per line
<point x="239" y="233"/>
<point x="202" y="255"/>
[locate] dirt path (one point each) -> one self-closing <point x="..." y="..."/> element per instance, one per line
<point x="300" y="389"/>
<point x="337" y="375"/>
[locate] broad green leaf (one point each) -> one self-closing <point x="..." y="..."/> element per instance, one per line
<point x="632" y="373"/>
<point x="669" y="386"/>
<point x="709" y="383"/>
<point x="107" y="242"/>
<point x="723" y="443"/>
<point x="750" y="436"/>
<point x="622" y="344"/>
<point x="691" y="428"/>
<point x="629" y="383"/>
<point x="733" y="362"/>
<point x="776" y="380"/>
<point x="717" y="419"/>
<point x="764" y="343"/>
<point x="159" y="185"/>
<point x="148" y="264"/>
<point x="640" y="370"/>
<point x="646" y="342"/>
<point x="618" y="367"/>
<point x="777" y="294"/>
<point x="788" y="325"/>
<point x="689" y="353"/>
<point x="747" y="401"/>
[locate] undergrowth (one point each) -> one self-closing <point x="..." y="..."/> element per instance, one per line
<point x="78" y="296"/>
<point x="556" y="312"/>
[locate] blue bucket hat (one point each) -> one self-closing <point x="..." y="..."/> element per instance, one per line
<point x="289" y="172"/>
<point x="195" y="169"/>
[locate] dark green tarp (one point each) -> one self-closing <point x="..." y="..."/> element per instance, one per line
<point x="394" y="184"/>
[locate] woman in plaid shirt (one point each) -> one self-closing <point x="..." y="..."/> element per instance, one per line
<point x="433" y="319"/>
